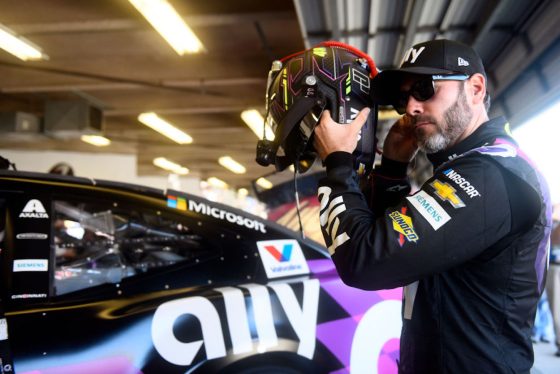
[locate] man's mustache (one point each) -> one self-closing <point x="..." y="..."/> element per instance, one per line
<point x="421" y="119"/>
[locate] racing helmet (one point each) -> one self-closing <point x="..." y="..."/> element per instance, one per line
<point x="331" y="75"/>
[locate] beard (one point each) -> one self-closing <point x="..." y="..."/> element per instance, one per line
<point x="455" y="120"/>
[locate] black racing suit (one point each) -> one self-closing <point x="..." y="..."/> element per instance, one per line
<point x="470" y="246"/>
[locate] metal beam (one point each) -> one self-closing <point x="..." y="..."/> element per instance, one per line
<point x="446" y="20"/>
<point x="163" y="111"/>
<point x="191" y="83"/>
<point x="210" y="20"/>
<point x="113" y="79"/>
<point x="539" y="14"/>
<point x="331" y="11"/>
<point x="412" y="21"/>
<point x="302" y="24"/>
<point x="492" y="10"/>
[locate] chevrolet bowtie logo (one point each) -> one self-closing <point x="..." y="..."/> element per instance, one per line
<point x="447" y="193"/>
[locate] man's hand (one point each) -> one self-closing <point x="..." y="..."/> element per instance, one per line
<point x="332" y="137"/>
<point x="400" y="143"/>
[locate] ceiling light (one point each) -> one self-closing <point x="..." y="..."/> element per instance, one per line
<point x="99" y="141"/>
<point x="232" y="165"/>
<point x="213" y="181"/>
<point x="158" y="124"/>
<point x="169" y="24"/>
<point x="255" y="121"/>
<point x="243" y="192"/>
<point x="171" y="166"/>
<point x="19" y="46"/>
<point x="264" y="183"/>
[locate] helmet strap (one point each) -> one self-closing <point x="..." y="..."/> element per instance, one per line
<point x="293" y="118"/>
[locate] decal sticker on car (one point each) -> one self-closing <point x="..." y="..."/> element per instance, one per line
<point x="281" y="258"/>
<point x="32" y="236"/>
<point x="176" y="202"/>
<point x="33" y="209"/>
<point x="29" y="296"/>
<point x="303" y="320"/>
<point x="31" y="265"/>
<point x="191" y="205"/>
<point x="3" y="329"/>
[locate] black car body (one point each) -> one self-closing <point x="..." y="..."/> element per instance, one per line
<point x="105" y="277"/>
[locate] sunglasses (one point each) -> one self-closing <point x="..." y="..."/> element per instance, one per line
<point x="423" y="90"/>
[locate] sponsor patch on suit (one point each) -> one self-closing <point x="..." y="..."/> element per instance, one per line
<point x="429" y="208"/>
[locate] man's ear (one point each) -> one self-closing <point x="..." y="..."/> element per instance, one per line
<point x="478" y="87"/>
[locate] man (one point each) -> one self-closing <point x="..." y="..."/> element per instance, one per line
<point x="471" y="245"/>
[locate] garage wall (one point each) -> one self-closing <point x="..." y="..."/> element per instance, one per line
<point x="110" y="166"/>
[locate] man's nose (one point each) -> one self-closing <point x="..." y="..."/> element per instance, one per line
<point x="413" y="106"/>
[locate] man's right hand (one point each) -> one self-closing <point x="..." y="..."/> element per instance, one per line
<point x="400" y="143"/>
<point x="333" y="137"/>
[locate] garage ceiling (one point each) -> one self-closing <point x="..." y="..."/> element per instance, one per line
<point x="105" y="53"/>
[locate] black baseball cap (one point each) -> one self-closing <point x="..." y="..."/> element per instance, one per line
<point x="434" y="57"/>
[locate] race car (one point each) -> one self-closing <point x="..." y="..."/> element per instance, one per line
<point x="106" y="277"/>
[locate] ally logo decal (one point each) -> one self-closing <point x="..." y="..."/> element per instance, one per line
<point x="282" y="258"/>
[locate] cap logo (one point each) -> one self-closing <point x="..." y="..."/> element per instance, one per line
<point x="412" y="54"/>
<point x="462" y="62"/>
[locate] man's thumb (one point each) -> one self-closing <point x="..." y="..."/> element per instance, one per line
<point x="360" y="119"/>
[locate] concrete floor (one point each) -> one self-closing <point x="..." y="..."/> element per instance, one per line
<point x="545" y="360"/>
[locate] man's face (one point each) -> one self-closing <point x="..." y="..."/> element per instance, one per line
<point x="439" y="121"/>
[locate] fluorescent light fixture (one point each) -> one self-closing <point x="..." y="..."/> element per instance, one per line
<point x="264" y="183"/>
<point x="243" y="192"/>
<point x="98" y="141"/>
<point x="158" y="124"/>
<point x="232" y="165"/>
<point x="169" y="24"/>
<point x="171" y="166"/>
<point x="19" y="46"/>
<point x="255" y="121"/>
<point x="213" y="181"/>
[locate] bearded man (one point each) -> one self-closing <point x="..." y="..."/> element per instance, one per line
<point x="470" y="246"/>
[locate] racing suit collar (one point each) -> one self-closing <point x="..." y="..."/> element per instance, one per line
<point x="485" y="134"/>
